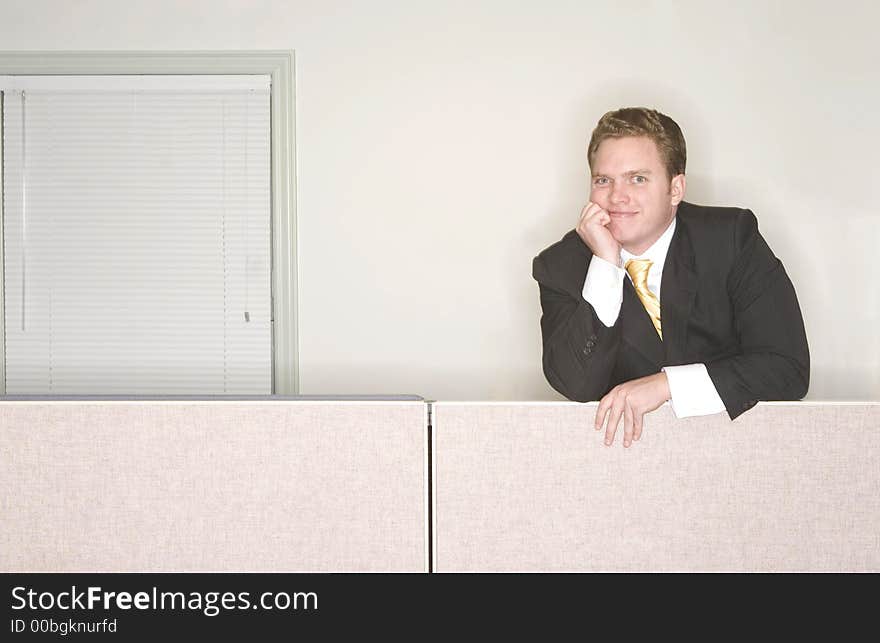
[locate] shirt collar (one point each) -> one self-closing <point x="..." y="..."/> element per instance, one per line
<point x="657" y="251"/>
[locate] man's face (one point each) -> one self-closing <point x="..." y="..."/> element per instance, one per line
<point x="629" y="181"/>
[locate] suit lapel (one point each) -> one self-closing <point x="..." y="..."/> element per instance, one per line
<point x="678" y="289"/>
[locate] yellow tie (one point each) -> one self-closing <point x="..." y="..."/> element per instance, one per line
<point x="638" y="270"/>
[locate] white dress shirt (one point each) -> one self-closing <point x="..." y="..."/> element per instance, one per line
<point x="690" y="386"/>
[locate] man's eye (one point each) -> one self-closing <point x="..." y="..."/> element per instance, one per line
<point x="600" y="181"/>
<point x="639" y="179"/>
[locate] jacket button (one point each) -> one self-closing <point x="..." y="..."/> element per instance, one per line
<point x="586" y="350"/>
<point x="590" y="343"/>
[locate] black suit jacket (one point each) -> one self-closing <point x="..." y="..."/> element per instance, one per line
<point x="725" y="301"/>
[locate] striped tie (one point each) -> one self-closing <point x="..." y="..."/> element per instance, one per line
<point x="638" y="270"/>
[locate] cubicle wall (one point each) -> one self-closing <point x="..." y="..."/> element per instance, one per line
<point x="213" y="486"/>
<point x="297" y="485"/>
<point x="531" y="487"/>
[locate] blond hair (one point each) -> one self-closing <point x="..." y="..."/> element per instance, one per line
<point x="642" y="121"/>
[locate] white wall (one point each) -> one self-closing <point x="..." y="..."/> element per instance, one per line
<point x="441" y="146"/>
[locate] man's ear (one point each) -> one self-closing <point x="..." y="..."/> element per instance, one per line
<point x="676" y="189"/>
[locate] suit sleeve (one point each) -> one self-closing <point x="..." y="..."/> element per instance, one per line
<point x="774" y="359"/>
<point x="579" y="351"/>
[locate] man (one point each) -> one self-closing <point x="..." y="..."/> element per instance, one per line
<point x="653" y="299"/>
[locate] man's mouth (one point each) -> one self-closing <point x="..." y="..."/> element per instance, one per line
<point x="621" y="214"/>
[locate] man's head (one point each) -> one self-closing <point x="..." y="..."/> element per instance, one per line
<point x="637" y="160"/>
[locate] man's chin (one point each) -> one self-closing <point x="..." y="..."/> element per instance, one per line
<point x="619" y="236"/>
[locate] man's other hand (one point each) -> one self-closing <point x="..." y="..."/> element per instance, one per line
<point x="593" y="230"/>
<point x="631" y="400"/>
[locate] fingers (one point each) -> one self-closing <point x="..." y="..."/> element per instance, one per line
<point x="602" y="217"/>
<point x="627" y="425"/>
<point x="587" y="210"/>
<point x="584" y="212"/>
<point x="638" y="422"/>
<point x="593" y="229"/>
<point x="593" y="212"/>
<point x="613" y="420"/>
<point x="602" y="409"/>
<point x="622" y="402"/>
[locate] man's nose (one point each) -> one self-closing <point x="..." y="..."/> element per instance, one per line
<point x="619" y="193"/>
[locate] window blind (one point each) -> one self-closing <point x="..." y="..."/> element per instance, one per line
<point x="136" y="225"/>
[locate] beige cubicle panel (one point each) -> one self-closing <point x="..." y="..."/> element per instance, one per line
<point x="140" y="486"/>
<point x="531" y="487"/>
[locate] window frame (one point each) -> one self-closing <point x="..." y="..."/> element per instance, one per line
<point x="280" y="65"/>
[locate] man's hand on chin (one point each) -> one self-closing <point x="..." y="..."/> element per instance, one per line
<point x="631" y="400"/>
<point x="593" y="230"/>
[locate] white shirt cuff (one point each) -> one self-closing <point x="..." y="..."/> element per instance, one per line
<point x="603" y="289"/>
<point x="692" y="391"/>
